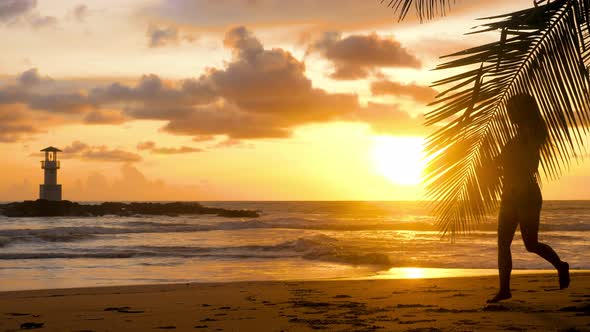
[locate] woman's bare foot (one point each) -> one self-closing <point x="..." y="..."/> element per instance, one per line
<point x="502" y="295"/>
<point x="564" y="275"/>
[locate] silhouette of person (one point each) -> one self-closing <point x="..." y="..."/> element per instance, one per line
<point x="521" y="196"/>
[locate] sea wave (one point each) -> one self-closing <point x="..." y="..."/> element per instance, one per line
<point x="318" y="248"/>
<point x="81" y="233"/>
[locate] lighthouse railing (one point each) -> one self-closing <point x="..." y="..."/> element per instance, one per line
<point x="55" y="164"/>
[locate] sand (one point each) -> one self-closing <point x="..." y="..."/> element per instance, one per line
<point x="452" y="304"/>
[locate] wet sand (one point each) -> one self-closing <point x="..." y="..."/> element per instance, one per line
<point x="452" y="304"/>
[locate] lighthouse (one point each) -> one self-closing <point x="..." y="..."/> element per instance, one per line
<point x="50" y="190"/>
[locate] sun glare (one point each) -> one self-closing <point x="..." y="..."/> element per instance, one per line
<point x="399" y="159"/>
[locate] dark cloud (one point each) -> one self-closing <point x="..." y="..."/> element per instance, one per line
<point x="11" y="9"/>
<point x="420" y="93"/>
<point x="152" y="90"/>
<point x="359" y="56"/>
<point x="75" y="102"/>
<point x="15" y="12"/>
<point x="84" y="151"/>
<point x="30" y="77"/>
<point x="151" y="146"/>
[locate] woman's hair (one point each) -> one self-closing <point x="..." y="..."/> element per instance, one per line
<point x="524" y="112"/>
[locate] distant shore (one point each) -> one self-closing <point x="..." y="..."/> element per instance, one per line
<point x="44" y="208"/>
<point x="455" y="304"/>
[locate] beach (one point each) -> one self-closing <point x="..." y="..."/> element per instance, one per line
<point x="447" y="304"/>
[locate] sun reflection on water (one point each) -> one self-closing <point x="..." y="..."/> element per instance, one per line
<point x="433" y="273"/>
<point x="429" y="273"/>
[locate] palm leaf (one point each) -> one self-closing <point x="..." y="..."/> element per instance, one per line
<point x="542" y="51"/>
<point x="425" y="9"/>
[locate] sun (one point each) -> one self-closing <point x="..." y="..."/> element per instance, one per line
<point x="399" y="159"/>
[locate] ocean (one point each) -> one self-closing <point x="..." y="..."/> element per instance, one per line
<point x="290" y="241"/>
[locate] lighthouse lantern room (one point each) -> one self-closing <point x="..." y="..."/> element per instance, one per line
<point x="50" y="190"/>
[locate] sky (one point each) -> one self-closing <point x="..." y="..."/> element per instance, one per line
<point x="227" y="100"/>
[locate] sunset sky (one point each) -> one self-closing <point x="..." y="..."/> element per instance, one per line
<point x="226" y="99"/>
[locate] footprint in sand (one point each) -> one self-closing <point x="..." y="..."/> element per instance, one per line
<point x="407" y="322"/>
<point x="495" y="307"/>
<point x="16" y="314"/>
<point x="31" y="326"/>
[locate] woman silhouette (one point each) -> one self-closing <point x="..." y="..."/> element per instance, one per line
<point x="521" y="195"/>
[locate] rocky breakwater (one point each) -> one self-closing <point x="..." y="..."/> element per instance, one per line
<point x="43" y="208"/>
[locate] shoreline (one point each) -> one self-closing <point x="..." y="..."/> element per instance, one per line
<point x="437" y="304"/>
<point x="403" y="273"/>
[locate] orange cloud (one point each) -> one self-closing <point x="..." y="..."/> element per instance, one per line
<point x="390" y="119"/>
<point x="420" y="93"/>
<point x="260" y="93"/>
<point x="84" y="151"/>
<point x="151" y="146"/>
<point x="219" y="15"/>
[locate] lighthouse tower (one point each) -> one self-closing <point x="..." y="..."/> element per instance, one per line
<point x="50" y="190"/>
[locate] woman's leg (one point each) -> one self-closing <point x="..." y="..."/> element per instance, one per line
<point x="507" y="222"/>
<point x="529" y="228"/>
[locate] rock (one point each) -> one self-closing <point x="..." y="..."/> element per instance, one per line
<point x="44" y="208"/>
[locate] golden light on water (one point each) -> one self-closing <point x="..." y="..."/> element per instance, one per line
<point x="413" y="273"/>
<point x="399" y="159"/>
<point x="436" y="273"/>
<point x="429" y="273"/>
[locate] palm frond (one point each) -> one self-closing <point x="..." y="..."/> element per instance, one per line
<point x="542" y="51"/>
<point x="425" y="9"/>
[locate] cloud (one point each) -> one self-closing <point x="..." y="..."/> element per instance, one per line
<point x="219" y="15"/>
<point x="151" y="146"/>
<point x="103" y="117"/>
<point x="129" y="184"/>
<point x="159" y="37"/>
<point x="15" y="124"/>
<point x="203" y="138"/>
<point x="232" y="143"/>
<point x="392" y="120"/>
<point x="359" y="56"/>
<point x="32" y="77"/>
<point x="420" y="93"/>
<point x="11" y="9"/>
<point x="80" y="13"/>
<point x="72" y="103"/>
<point x="23" y="11"/>
<point x="260" y="93"/>
<point x="38" y="21"/>
<point x="18" y="123"/>
<point x="83" y="151"/>
<point x="347" y="15"/>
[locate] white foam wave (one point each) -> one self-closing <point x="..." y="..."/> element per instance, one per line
<point x="320" y="248"/>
